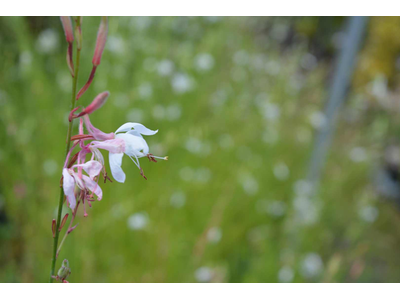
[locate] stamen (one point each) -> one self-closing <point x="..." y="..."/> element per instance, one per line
<point x="136" y="162"/>
<point x="163" y="158"/>
<point x="142" y="173"/>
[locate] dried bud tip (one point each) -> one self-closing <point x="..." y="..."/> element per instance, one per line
<point x="101" y="41"/>
<point x="53" y="227"/>
<point x="67" y="25"/>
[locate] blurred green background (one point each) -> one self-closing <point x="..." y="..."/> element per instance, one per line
<point x="237" y="101"/>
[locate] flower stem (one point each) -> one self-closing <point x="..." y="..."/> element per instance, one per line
<point x="69" y="227"/>
<point x="69" y="133"/>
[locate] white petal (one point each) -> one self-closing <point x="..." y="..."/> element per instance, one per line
<point x="91" y="167"/>
<point x="115" y="166"/>
<point x="78" y="181"/>
<point x="134" y="145"/>
<point x="138" y="127"/>
<point x="93" y="186"/>
<point x="135" y="133"/>
<point x="69" y="188"/>
<point x="98" y="155"/>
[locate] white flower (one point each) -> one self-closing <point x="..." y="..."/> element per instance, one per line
<point x="128" y="140"/>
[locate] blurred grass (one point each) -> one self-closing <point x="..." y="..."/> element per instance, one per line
<point x="235" y="106"/>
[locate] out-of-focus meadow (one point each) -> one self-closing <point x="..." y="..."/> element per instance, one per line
<point x="238" y="102"/>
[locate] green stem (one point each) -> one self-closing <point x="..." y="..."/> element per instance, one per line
<point x="67" y="231"/>
<point x="69" y="133"/>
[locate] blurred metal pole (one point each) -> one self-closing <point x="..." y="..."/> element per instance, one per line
<point x="341" y="80"/>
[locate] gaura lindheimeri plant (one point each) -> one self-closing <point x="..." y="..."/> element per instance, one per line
<point x="84" y="162"/>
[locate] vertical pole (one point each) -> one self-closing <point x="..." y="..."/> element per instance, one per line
<point x="341" y="80"/>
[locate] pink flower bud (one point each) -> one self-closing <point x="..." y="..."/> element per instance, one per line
<point x="67" y="25"/>
<point x="96" y="103"/>
<point x="53" y="227"/>
<point x="101" y="41"/>
<point x="63" y="221"/>
<point x="70" y="62"/>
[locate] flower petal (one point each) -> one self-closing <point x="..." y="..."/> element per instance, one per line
<point x="135" y="145"/>
<point x="134" y="132"/>
<point x="116" y="145"/>
<point x="93" y="186"/>
<point x="138" y="127"/>
<point x="69" y="188"/>
<point x="115" y="166"/>
<point x="97" y="133"/>
<point x="91" y="167"/>
<point x="78" y="181"/>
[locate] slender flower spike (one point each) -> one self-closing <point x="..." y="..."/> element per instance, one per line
<point x="98" y="52"/>
<point x="69" y="35"/>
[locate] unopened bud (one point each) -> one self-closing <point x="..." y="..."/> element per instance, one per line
<point x="67" y="25"/>
<point x="73" y="160"/>
<point x="53" y="227"/>
<point x="101" y="41"/>
<point x="96" y="103"/>
<point x="64" y="271"/>
<point x="70" y="61"/>
<point x="63" y="221"/>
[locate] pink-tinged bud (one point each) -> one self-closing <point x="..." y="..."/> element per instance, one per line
<point x="101" y="41"/>
<point x="70" y="62"/>
<point x="96" y="103"/>
<point x="86" y="86"/>
<point x="53" y="227"/>
<point x="63" y="221"/>
<point x="71" y="229"/>
<point x="69" y="35"/>
<point x="67" y="25"/>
